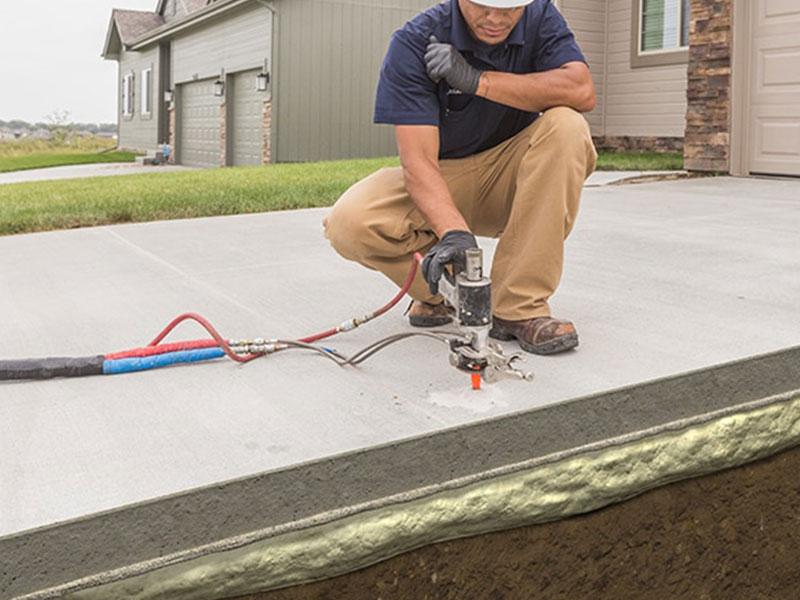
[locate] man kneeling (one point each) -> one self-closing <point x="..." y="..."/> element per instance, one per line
<point x="486" y="99"/>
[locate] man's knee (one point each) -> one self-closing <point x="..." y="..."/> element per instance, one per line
<point x="567" y="132"/>
<point x="344" y="226"/>
<point x="360" y="218"/>
<point x="565" y="124"/>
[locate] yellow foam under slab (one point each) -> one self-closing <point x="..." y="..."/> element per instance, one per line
<point x="555" y="488"/>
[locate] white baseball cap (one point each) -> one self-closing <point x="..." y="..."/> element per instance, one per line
<point x="502" y="3"/>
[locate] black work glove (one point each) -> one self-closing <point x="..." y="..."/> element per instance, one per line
<point x="450" y="249"/>
<point x="443" y="61"/>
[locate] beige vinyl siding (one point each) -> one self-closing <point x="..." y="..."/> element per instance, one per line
<point x="240" y="40"/>
<point x="329" y="54"/>
<point x="645" y="101"/>
<point x="587" y="20"/>
<point x="140" y="131"/>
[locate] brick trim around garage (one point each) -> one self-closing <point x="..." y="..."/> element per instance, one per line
<point x="708" y="114"/>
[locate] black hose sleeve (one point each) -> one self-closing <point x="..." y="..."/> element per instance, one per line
<point x="48" y="368"/>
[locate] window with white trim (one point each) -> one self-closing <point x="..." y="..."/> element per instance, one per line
<point x="127" y="95"/>
<point x="147" y="91"/>
<point x="663" y="25"/>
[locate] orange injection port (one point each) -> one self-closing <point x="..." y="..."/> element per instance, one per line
<point x="476" y="381"/>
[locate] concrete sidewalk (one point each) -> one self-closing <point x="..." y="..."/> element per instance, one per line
<point x="114" y="169"/>
<point x="661" y="279"/>
<point x="82" y="171"/>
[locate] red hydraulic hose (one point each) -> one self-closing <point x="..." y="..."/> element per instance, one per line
<point x="406" y="286"/>
<point x="162" y="349"/>
<point x="155" y="347"/>
<point x="213" y="332"/>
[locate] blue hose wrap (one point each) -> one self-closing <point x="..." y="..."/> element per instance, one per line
<point x="130" y="365"/>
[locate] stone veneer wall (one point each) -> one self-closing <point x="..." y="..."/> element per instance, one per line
<point x="266" y="132"/>
<point x="708" y="114"/>
<point x="171" y="133"/>
<point x="625" y="143"/>
<point x="223" y="125"/>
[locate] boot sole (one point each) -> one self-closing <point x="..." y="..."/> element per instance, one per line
<point x="560" y="344"/>
<point x="423" y="321"/>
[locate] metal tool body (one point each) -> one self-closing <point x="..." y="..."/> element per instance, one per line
<point x="470" y="294"/>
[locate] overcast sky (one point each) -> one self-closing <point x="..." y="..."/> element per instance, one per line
<point x="50" y="59"/>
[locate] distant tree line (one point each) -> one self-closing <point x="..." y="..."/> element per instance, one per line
<point x="93" y="128"/>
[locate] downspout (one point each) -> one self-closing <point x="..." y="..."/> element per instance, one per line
<point x="119" y="96"/>
<point x="741" y="69"/>
<point x="274" y="80"/>
<point x="605" y="69"/>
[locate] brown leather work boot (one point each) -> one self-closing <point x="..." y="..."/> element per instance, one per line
<point x="542" y="335"/>
<point x="422" y="314"/>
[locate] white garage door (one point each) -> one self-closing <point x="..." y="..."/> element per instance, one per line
<point x="246" y="126"/>
<point x="199" y="114"/>
<point x="775" y="99"/>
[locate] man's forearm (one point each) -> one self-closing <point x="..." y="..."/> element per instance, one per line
<point x="430" y="194"/>
<point x="570" y="85"/>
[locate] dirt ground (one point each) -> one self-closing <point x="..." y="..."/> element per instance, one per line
<point x="730" y="535"/>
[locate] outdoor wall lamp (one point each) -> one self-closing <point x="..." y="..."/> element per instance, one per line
<point x="169" y="96"/>
<point x="219" y="85"/>
<point x="262" y="79"/>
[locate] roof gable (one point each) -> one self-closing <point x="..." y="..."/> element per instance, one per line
<point x="113" y="45"/>
<point x="126" y="26"/>
<point x="135" y="23"/>
<point x="138" y="29"/>
<point x="172" y="10"/>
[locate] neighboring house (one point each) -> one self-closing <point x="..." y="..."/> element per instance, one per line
<point x="6" y="133"/>
<point x="717" y="79"/>
<point x="42" y="134"/>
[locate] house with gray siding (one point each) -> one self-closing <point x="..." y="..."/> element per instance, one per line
<point x="240" y="82"/>
<point x="189" y="78"/>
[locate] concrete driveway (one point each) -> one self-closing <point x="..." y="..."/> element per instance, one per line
<point x="661" y="279"/>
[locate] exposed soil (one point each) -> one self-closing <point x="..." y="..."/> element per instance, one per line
<point x="730" y="535"/>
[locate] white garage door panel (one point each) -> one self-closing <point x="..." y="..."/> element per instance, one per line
<point x="199" y="114"/>
<point x="775" y="100"/>
<point x="779" y="137"/>
<point x="777" y="143"/>
<point x="778" y="9"/>
<point x="781" y="66"/>
<point x="246" y="131"/>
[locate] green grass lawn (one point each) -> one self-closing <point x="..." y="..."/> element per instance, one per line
<point x="643" y="161"/>
<point x="47" y="205"/>
<point x="39" y="161"/>
<point x="19" y="155"/>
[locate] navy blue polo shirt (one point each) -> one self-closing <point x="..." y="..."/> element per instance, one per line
<point x="468" y="124"/>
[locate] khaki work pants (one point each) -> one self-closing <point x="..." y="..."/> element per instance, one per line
<point x="526" y="191"/>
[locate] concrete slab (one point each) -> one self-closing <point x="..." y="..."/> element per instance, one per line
<point x="81" y="171"/>
<point x="661" y="279"/>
